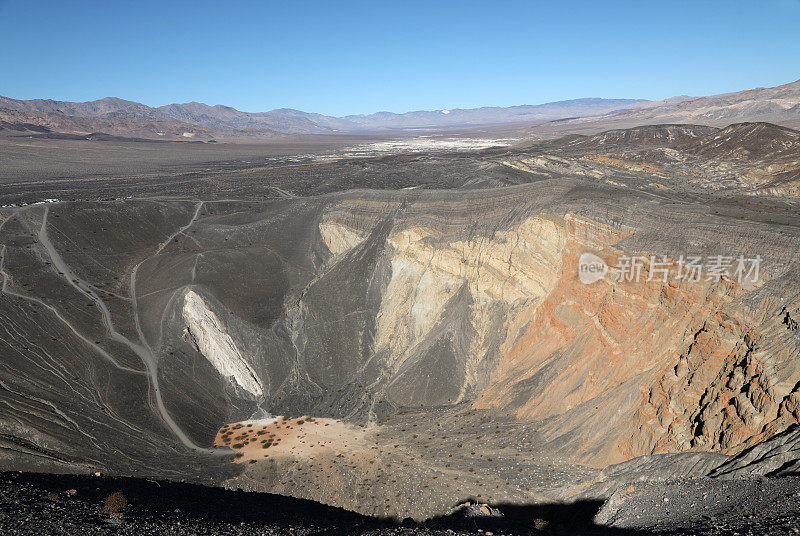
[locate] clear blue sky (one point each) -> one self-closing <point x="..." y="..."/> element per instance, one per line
<point x="343" y="57"/>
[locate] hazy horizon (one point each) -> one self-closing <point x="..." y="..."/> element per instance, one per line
<point x="313" y="111"/>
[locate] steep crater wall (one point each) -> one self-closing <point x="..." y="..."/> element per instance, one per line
<point x="363" y="305"/>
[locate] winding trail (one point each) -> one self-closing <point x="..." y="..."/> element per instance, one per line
<point x="141" y="348"/>
<point x="4" y="289"/>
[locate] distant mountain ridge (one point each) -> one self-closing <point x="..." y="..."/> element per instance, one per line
<point x="779" y="105"/>
<point x="287" y="120"/>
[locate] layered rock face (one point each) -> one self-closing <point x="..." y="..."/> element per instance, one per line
<point x="360" y="306"/>
<point x="608" y="371"/>
<point x="491" y="279"/>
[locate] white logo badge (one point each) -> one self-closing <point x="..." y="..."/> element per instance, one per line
<point x="591" y="268"/>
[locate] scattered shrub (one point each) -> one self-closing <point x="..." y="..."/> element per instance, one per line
<point x="115" y="503"/>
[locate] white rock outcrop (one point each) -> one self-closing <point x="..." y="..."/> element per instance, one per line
<point x="339" y="238"/>
<point x="211" y="339"/>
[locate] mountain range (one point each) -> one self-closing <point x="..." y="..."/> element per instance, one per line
<point x="287" y="120"/>
<point x="779" y="105"/>
<point x="111" y="115"/>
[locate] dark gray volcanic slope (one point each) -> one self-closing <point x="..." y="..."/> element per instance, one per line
<point x="415" y="323"/>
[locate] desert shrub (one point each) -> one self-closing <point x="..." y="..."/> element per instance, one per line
<point x="115" y="503"/>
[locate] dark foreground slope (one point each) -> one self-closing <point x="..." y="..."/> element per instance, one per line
<point x="77" y="505"/>
<point x="72" y="505"/>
